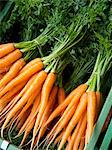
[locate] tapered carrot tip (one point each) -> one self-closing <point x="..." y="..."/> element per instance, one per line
<point x="6" y="49"/>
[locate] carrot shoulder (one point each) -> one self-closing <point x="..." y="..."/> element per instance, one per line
<point x="6" y="49"/>
<point x="10" y="58"/>
<point x="91" y="112"/>
<point x="15" y="68"/>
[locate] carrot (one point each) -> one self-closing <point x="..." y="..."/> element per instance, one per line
<point x="6" y="49"/>
<point x="58" y="139"/>
<point x="1" y="76"/>
<point x="76" y="117"/>
<point x="41" y="76"/>
<point x="61" y="95"/>
<point x="81" y="146"/>
<point x="44" y="99"/>
<point x="47" y="111"/>
<point x="10" y="58"/>
<point x="59" y="126"/>
<point x="80" y="132"/>
<point x="26" y="107"/>
<point x="32" y="62"/>
<point x="11" y="125"/>
<point x="73" y="137"/>
<point x="8" y="96"/>
<point x="33" y="113"/>
<point x="62" y="106"/>
<point x="69" y="112"/>
<point x="2" y="104"/>
<point x="16" y="67"/>
<point x="5" y="69"/>
<point x="8" y="107"/>
<point x="1" y="45"/>
<point x="91" y="110"/>
<point x="98" y="104"/>
<point x="23" y="76"/>
<point x="20" y="94"/>
<point x="50" y="104"/>
<point x="80" y="90"/>
<point x="28" y="104"/>
<point x="23" y="118"/>
<point x="27" y="131"/>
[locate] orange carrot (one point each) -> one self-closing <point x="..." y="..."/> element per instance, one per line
<point x="10" y="58"/>
<point x="80" y="132"/>
<point x="6" y="49"/>
<point x="38" y="82"/>
<point x="81" y="146"/>
<point x="16" y="67"/>
<point x="23" y="118"/>
<point x="68" y="113"/>
<point x="8" y="107"/>
<point x="61" y="95"/>
<point x="5" y="69"/>
<point x="80" y="90"/>
<point x="33" y="113"/>
<point x="62" y="106"/>
<point x="3" y="104"/>
<point x="60" y="125"/>
<point x="27" y="131"/>
<point x="58" y="139"/>
<point x="1" y="45"/>
<point x="27" y="86"/>
<point x="32" y="62"/>
<point x="1" y="76"/>
<point x="73" y="137"/>
<point x="44" y="99"/>
<point x="50" y="104"/>
<point x="98" y="104"/>
<point x="91" y="112"/>
<point x="76" y="117"/>
<point x="28" y="104"/>
<point x="47" y="111"/>
<point x="23" y="76"/>
<point x="8" y="96"/>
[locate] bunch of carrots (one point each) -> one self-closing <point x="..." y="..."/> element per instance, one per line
<point x="26" y="90"/>
<point x="78" y="112"/>
<point x="80" y="109"/>
<point x="32" y="100"/>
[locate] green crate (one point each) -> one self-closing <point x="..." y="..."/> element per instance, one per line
<point x="10" y="146"/>
<point x="102" y="117"/>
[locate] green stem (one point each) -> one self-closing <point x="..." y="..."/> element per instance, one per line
<point x="95" y="68"/>
<point x="49" y="67"/>
<point x="98" y="80"/>
<point x="105" y="66"/>
<point x="55" y="65"/>
<point x="92" y="85"/>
